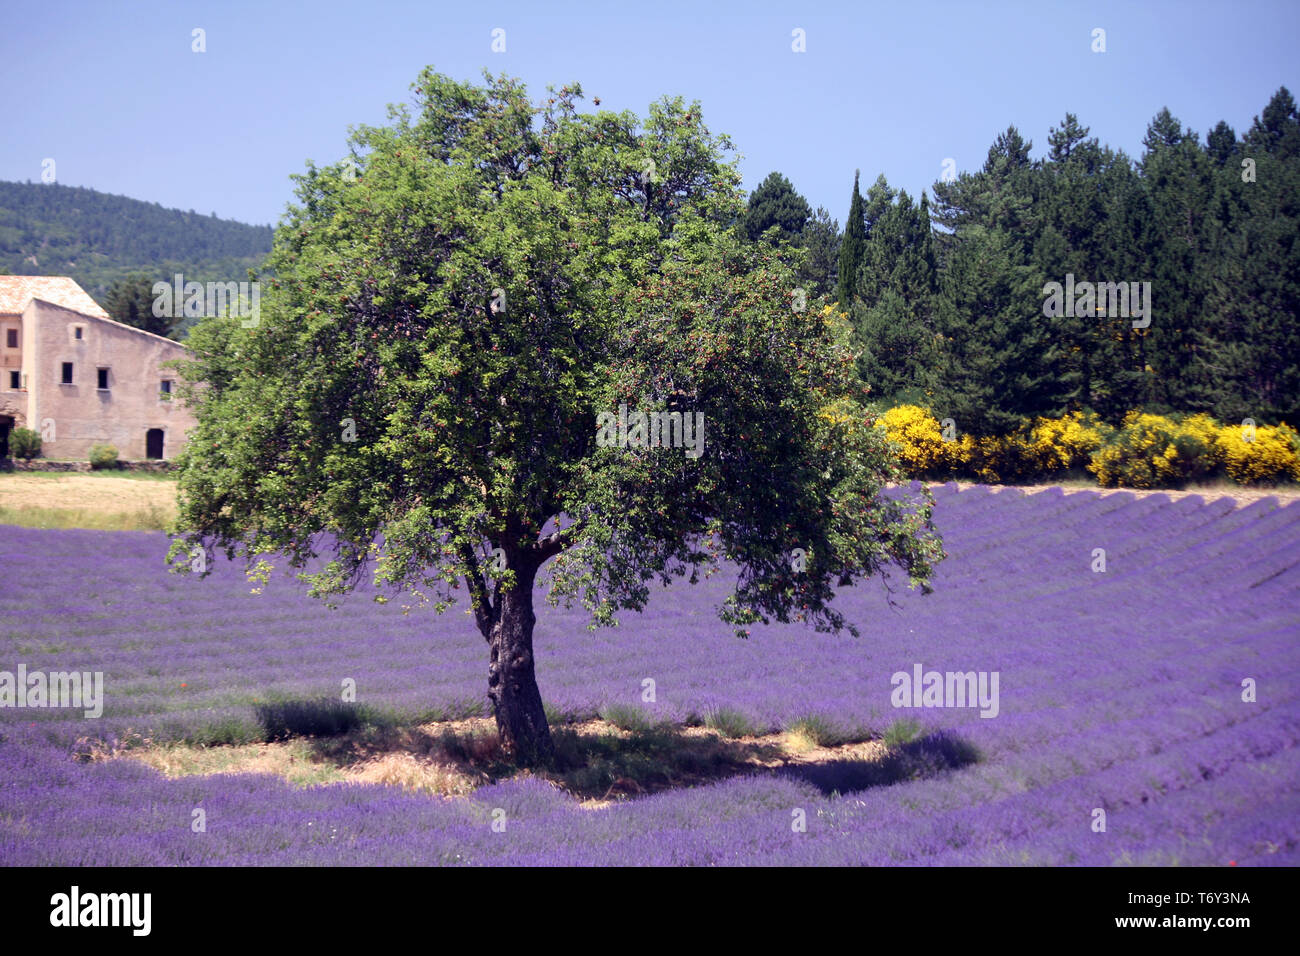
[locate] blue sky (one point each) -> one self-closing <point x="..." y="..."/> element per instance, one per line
<point x="114" y="94"/>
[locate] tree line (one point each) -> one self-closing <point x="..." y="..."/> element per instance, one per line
<point x="947" y="300"/>
<point x="104" y="241"/>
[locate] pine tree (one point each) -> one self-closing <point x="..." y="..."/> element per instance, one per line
<point x="1221" y="143"/>
<point x="130" y="302"/>
<point x="1275" y="130"/>
<point x="1000" y="195"/>
<point x="820" y="269"/>
<point x="1178" y="175"/>
<point x="885" y="237"/>
<point x="894" y="316"/>
<point x="999" y="355"/>
<point x="877" y="203"/>
<point x="1254" y="358"/>
<point x="1086" y="224"/>
<point x="775" y="203"/>
<point x="1066" y="137"/>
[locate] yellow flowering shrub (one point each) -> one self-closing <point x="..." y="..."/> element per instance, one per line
<point x="921" y="448"/>
<point x="1153" y="451"/>
<point x="995" y="458"/>
<point x="1146" y="451"/>
<point x="840" y="413"/>
<point x="1046" y="446"/>
<point x="1272" y="456"/>
<point x="1207" y="430"/>
<point x="1059" y="444"/>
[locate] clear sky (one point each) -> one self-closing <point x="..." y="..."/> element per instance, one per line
<point x="112" y="91"/>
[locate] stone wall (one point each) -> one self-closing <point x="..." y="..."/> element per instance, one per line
<point x="40" y="464"/>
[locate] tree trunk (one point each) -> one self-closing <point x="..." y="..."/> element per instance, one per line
<point x="512" y="683"/>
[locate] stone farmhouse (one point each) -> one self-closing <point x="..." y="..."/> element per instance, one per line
<point x="79" y="378"/>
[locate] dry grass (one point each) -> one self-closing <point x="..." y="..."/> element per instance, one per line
<point x="415" y="759"/>
<point x="106" y="502"/>
<point x="410" y="772"/>
<point x="291" y="760"/>
<point x="799" y="742"/>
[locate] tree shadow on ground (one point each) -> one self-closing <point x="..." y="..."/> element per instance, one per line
<point x="927" y="756"/>
<point x="597" y="762"/>
<point x="601" y="763"/>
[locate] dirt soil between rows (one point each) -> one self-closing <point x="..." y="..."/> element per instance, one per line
<point x="1239" y="495"/>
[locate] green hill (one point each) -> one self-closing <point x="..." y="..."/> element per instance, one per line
<point x="97" y="238"/>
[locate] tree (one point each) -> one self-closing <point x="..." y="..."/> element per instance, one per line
<point x="820" y="270"/>
<point x="877" y="202"/>
<point x="1000" y="195"/>
<point x="1179" y="180"/>
<point x="130" y="302"/>
<point x="1001" y="359"/>
<point x="1254" y="359"/>
<point x="1275" y="130"/>
<point x="851" y="247"/>
<point x="1067" y="136"/>
<point x="430" y="387"/>
<point x="1000" y="353"/>
<point x="1221" y="143"/>
<point x="775" y="204"/>
<point x="810" y="241"/>
<point x="894" y="315"/>
<point x="1088" y="212"/>
<point x="1164" y="131"/>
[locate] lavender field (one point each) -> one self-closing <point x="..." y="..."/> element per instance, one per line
<point x="1120" y="690"/>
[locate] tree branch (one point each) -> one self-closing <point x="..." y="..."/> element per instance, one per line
<point x="485" y="615"/>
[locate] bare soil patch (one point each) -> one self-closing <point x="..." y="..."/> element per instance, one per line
<point x="1240" y="495"/>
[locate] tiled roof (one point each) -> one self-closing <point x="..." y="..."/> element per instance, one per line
<point x="17" y="291"/>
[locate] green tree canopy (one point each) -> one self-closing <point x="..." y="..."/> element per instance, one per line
<point x="130" y="301"/>
<point x="775" y="204"/>
<point x="820" y="270"/>
<point x="851" y="247"/>
<point x="895" y="312"/>
<point x="455" y="309"/>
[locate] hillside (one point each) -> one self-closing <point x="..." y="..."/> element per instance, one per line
<point x="97" y="238"/>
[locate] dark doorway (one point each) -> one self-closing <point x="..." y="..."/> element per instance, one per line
<point x="153" y="443"/>
<point x="6" y="423"/>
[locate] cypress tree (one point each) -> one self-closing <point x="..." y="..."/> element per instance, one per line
<point x="851" y="248"/>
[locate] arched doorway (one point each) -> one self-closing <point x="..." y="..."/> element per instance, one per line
<point x="153" y="443"/>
